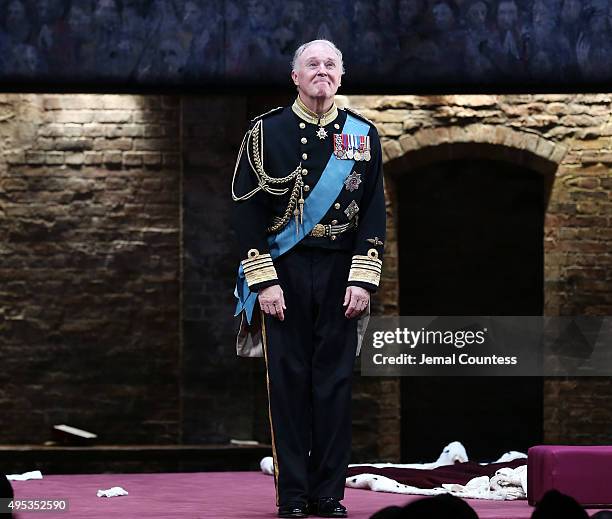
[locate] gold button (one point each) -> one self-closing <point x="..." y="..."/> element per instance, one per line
<point x="337" y="126"/>
<point x="304" y="172"/>
<point x="334" y="222"/>
<point x="336" y="205"/>
<point x="333" y="237"/>
<point x="302" y="126"/>
<point x="304" y="156"/>
<point x="307" y="188"/>
<point x="304" y="140"/>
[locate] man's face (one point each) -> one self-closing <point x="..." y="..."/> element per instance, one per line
<point x="443" y="16"/>
<point x="257" y="14"/>
<point x="543" y="18"/>
<point x="318" y="72"/>
<point x="15" y="13"/>
<point x="192" y="16"/>
<point x="294" y="12"/>
<point x="477" y="15"/>
<point x="170" y="54"/>
<point x="507" y="15"/>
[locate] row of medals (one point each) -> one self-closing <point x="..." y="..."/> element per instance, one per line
<point x="351" y="153"/>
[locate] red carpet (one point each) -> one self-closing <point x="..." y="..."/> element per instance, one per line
<point x="205" y="495"/>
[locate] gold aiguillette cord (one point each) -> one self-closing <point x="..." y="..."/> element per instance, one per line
<point x="299" y="211"/>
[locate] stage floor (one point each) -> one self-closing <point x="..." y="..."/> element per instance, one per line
<point x="205" y="495"/>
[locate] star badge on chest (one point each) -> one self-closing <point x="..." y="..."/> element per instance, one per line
<point x="321" y="133"/>
<point x="352" y="181"/>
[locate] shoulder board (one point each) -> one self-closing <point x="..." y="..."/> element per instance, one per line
<point x="266" y="114"/>
<point x="359" y="116"/>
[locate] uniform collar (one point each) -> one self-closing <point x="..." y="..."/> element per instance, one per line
<point x="306" y="114"/>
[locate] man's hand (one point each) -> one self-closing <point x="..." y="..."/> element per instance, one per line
<point x="357" y="299"/>
<point x="272" y="301"/>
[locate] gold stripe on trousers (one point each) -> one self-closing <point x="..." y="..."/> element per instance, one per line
<point x="264" y="340"/>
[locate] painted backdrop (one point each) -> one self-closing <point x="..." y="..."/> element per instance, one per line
<point x="398" y="42"/>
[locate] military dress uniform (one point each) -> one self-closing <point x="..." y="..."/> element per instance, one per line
<point x="293" y="166"/>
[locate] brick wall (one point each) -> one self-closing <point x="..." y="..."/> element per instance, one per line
<point x="92" y="189"/>
<point x="89" y="266"/>
<point x="224" y="396"/>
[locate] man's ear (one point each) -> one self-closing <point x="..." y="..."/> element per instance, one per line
<point x="294" y="76"/>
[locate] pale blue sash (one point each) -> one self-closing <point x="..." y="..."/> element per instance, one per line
<point x="316" y="206"/>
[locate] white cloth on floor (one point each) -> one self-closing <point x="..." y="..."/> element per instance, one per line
<point x="112" y="492"/>
<point x="476" y="488"/>
<point x="379" y="483"/>
<point x="510" y="456"/>
<point x="453" y="453"/>
<point x="506" y="484"/>
<point x="511" y="481"/>
<point x="267" y="465"/>
<point x="34" y="474"/>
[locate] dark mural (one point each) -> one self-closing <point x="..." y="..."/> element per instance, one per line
<point x="404" y="42"/>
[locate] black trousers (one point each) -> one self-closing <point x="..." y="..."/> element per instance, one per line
<point x="309" y="360"/>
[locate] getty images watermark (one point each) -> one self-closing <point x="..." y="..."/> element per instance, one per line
<point x="488" y="346"/>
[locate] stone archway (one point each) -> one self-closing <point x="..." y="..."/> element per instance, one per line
<point x="429" y="145"/>
<point x="525" y="150"/>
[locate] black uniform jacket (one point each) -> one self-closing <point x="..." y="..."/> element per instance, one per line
<point x="291" y="142"/>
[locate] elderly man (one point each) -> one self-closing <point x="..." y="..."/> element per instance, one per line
<point x="310" y="219"/>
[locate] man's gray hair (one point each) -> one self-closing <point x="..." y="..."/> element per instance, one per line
<point x="300" y="50"/>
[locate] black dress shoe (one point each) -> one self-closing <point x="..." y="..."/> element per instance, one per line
<point x="327" y="507"/>
<point x="293" y="510"/>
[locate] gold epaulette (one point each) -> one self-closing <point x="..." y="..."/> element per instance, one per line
<point x="266" y="114"/>
<point x="360" y="116"/>
<point x="258" y="268"/>
<point x="366" y="269"/>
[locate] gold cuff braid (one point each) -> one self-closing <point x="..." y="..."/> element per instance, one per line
<point x="366" y="269"/>
<point x="258" y="268"/>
